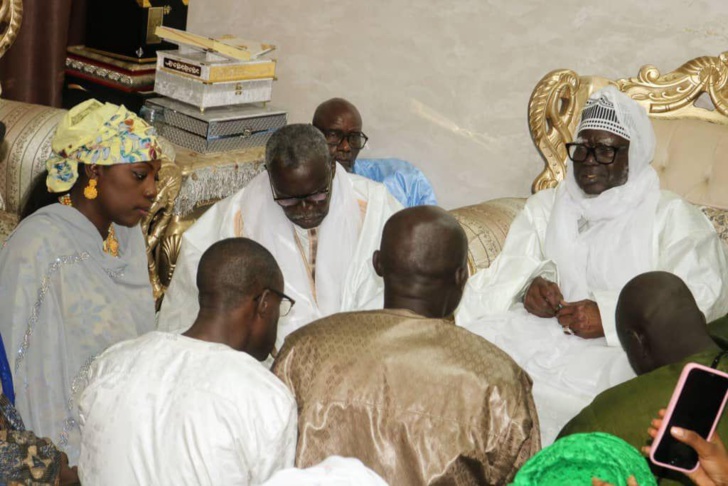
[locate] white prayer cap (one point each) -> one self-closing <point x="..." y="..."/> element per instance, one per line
<point x="599" y="114"/>
<point x="611" y="110"/>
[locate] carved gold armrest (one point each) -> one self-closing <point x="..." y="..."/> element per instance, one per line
<point x="157" y="221"/>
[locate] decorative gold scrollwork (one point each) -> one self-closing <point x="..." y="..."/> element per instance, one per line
<point x="11" y="16"/>
<point x="673" y="95"/>
<point x="552" y="112"/>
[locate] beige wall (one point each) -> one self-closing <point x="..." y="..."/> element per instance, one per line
<point x="445" y="84"/>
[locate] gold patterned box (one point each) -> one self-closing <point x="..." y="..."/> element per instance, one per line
<point x="212" y="68"/>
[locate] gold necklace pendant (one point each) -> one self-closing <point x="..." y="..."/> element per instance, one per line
<point x="111" y="244"/>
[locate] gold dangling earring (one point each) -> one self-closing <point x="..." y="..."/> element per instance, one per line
<point x="90" y="191"/>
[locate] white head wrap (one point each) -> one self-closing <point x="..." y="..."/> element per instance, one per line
<point x="616" y="242"/>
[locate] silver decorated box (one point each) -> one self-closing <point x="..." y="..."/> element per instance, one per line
<point x="211" y="95"/>
<point x="217" y="129"/>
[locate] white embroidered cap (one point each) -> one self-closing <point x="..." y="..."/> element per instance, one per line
<point x="599" y="114"/>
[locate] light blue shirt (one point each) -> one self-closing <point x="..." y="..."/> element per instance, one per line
<point x="404" y="181"/>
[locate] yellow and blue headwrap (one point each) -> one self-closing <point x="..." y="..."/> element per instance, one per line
<point x="98" y="133"/>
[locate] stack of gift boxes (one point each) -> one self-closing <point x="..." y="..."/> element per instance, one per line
<point x="118" y="62"/>
<point x="215" y="93"/>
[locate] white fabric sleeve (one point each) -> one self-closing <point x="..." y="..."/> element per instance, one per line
<point x="277" y="439"/>
<point x="495" y="289"/>
<point x="180" y="305"/>
<point x="691" y="249"/>
<point x="607" y="302"/>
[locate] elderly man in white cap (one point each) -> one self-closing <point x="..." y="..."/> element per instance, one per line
<point x="549" y="299"/>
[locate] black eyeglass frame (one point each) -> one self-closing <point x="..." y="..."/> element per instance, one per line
<point x="593" y="151"/>
<point x="306" y="197"/>
<point x="340" y="136"/>
<point x="279" y="294"/>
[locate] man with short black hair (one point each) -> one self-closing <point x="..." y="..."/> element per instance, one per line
<point x="661" y="328"/>
<point x="414" y="397"/>
<point x="198" y="407"/>
<point x="319" y="222"/>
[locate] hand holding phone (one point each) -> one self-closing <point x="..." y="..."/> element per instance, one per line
<point x="712" y="456"/>
<point x="696" y="406"/>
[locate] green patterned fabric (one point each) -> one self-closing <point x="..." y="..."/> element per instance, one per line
<point x="579" y="458"/>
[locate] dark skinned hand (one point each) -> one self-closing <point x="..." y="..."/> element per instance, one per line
<point x="631" y="481"/>
<point x="712" y="456"/>
<point x="68" y="475"/>
<point x="543" y="298"/>
<point x="582" y="318"/>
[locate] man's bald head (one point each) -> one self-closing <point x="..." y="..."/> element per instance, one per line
<point x="659" y="322"/>
<point x="335" y="118"/>
<point x="333" y="108"/>
<point x="423" y="258"/>
<point x="234" y="269"/>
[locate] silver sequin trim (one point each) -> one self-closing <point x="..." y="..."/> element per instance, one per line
<point x="114" y="275"/>
<point x="42" y="291"/>
<point x="77" y="386"/>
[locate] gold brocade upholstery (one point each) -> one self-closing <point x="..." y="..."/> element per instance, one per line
<point x="689" y="111"/>
<point x="420" y="401"/>
<point x="8" y="222"/>
<point x="27" y="146"/>
<point x="486" y="226"/>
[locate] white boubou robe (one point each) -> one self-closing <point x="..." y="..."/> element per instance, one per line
<point x="344" y="277"/>
<point x="569" y="371"/>
<point x="169" y="409"/>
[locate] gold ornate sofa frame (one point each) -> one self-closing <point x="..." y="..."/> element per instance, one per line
<point x="687" y="106"/>
<point x="11" y="16"/>
<point x="555" y="104"/>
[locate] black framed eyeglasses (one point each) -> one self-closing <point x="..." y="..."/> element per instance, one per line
<point x="289" y="201"/>
<point x="603" y="154"/>
<point x="286" y="304"/>
<point x="356" y="140"/>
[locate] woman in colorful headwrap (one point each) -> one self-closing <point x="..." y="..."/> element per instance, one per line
<point x="73" y="275"/>
<point x="582" y="459"/>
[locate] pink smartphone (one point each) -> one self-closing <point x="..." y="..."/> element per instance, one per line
<point x="696" y="404"/>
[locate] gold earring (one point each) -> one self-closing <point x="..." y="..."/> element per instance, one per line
<point x="90" y="191"/>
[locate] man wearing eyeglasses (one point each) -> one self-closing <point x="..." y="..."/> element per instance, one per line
<point x="198" y="407"/>
<point x="341" y="124"/>
<point x="572" y="249"/>
<point x="320" y="223"/>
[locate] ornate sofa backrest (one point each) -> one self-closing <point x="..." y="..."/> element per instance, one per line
<point x="689" y="110"/>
